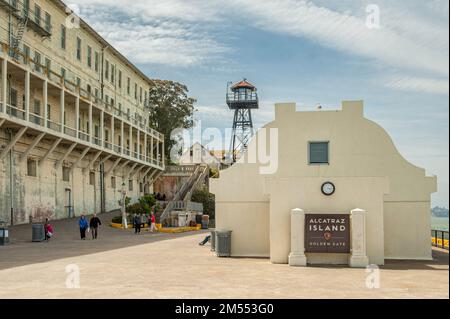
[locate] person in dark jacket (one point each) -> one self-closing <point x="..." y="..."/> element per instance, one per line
<point x="94" y="224"/>
<point x="83" y="224"/>
<point x="137" y="224"/>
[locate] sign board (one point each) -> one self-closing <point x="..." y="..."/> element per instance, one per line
<point x="327" y="233"/>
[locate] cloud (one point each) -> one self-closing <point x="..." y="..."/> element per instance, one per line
<point x="434" y="86"/>
<point x="165" y="32"/>
<point x="412" y="38"/>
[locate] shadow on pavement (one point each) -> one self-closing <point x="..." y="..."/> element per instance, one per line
<point x="66" y="242"/>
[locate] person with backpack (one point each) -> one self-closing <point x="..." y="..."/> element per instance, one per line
<point x="83" y="224"/>
<point x="94" y="225"/>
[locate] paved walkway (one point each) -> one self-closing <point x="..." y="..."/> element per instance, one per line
<point x="121" y="265"/>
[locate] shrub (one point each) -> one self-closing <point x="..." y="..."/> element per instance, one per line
<point x="117" y="220"/>
<point x="136" y="209"/>
<point x="147" y="202"/>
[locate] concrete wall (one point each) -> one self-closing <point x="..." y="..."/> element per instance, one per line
<point x="398" y="210"/>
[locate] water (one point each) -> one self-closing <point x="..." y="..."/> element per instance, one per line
<point x="439" y="223"/>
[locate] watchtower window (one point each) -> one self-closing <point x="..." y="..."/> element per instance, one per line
<point x="319" y="153"/>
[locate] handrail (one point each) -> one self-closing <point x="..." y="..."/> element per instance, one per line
<point x="440" y="238"/>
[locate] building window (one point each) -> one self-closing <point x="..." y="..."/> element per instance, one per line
<point x="63" y="73"/>
<point x="31" y="168"/>
<point x="135" y="91"/>
<point x="128" y="86"/>
<point x="48" y="65"/>
<point x="26" y="52"/>
<point x="107" y="69"/>
<point x="78" y="82"/>
<point x="140" y="95"/>
<point x="66" y="174"/>
<point x="48" y="22"/>
<point x="113" y="182"/>
<point x="319" y="152"/>
<point x="112" y="74"/>
<point x="37" y="61"/>
<point x="49" y="112"/>
<point x="63" y="37"/>
<point x="89" y="57"/>
<point x="92" y="178"/>
<point x="37" y="14"/>
<point x="120" y="79"/>
<point x="78" y="49"/>
<point x="130" y="185"/>
<point x="97" y="58"/>
<point x="141" y="187"/>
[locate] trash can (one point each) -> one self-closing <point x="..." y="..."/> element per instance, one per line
<point x="205" y="222"/>
<point x="4" y="234"/>
<point x="213" y="240"/>
<point x="223" y="243"/>
<point x="38" y="233"/>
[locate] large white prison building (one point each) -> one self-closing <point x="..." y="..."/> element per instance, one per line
<point x="74" y="120"/>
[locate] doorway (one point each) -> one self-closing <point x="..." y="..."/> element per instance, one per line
<point x="68" y="203"/>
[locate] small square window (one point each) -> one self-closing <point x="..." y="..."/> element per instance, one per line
<point x="319" y="153"/>
<point x="130" y="185"/>
<point x="31" y="168"/>
<point x="92" y="178"/>
<point x="66" y="174"/>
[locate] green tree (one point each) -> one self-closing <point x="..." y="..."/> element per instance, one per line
<point x="208" y="200"/>
<point x="170" y="108"/>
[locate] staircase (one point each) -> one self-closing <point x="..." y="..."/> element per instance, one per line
<point x="182" y="198"/>
<point x="18" y="38"/>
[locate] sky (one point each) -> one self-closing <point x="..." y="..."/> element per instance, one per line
<point x="393" y="54"/>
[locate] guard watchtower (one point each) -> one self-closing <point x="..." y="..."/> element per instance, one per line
<point x="242" y="97"/>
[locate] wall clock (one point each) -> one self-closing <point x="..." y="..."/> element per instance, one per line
<point x="328" y="188"/>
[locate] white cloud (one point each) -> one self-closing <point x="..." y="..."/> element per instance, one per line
<point x="413" y="38"/>
<point x="427" y="85"/>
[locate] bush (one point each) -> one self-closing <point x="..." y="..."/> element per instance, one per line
<point x="214" y="173"/>
<point x="147" y="202"/>
<point x="117" y="220"/>
<point x="136" y="209"/>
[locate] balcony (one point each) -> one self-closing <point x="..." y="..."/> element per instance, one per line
<point x="238" y="100"/>
<point x="8" y="6"/>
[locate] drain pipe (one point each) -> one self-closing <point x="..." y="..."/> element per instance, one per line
<point x="11" y="188"/>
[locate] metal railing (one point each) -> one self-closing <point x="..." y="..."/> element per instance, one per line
<point x="439" y="239"/>
<point x="54" y="126"/>
<point x="70" y="131"/>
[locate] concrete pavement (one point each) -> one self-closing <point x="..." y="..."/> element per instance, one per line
<point x="121" y="265"/>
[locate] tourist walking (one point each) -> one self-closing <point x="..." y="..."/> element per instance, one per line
<point x="137" y="224"/>
<point x="94" y="225"/>
<point x="153" y="223"/>
<point x="48" y="229"/>
<point x="83" y="224"/>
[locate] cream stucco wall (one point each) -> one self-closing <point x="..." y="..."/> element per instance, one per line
<point x="368" y="171"/>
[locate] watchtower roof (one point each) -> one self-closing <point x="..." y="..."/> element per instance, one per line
<point x="244" y="84"/>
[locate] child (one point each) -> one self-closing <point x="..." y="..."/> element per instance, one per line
<point x="48" y="230"/>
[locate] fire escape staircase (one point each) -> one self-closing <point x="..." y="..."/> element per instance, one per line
<point x="182" y="199"/>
